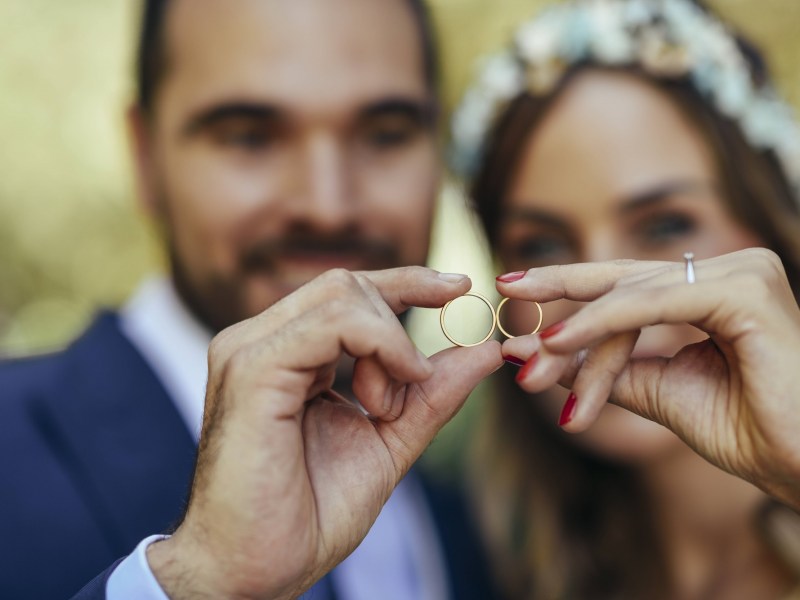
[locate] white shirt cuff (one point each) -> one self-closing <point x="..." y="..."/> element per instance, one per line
<point x="133" y="578"/>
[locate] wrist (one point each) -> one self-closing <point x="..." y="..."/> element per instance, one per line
<point x="184" y="572"/>
<point x="181" y="572"/>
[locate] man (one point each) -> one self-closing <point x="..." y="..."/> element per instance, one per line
<point x="275" y="139"/>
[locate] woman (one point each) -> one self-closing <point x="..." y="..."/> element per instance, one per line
<point x="628" y="129"/>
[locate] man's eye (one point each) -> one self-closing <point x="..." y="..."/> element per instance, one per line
<point x="663" y="229"/>
<point x="246" y="140"/>
<point x="389" y="137"/>
<point x="242" y="135"/>
<point x="388" y="133"/>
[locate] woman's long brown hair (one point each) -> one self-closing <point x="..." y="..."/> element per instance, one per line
<point x="561" y="522"/>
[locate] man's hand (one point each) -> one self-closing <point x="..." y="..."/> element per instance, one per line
<point x="290" y="476"/>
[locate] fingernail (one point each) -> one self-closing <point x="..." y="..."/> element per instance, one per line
<point x="452" y="277"/>
<point x="552" y="330"/>
<point x="511" y="277"/>
<point x="388" y="399"/>
<point x="514" y="360"/>
<point x="393" y="401"/>
<point x="527" y="368"/>
<point x="398" y="403"/>
<point x="569" y="410"/>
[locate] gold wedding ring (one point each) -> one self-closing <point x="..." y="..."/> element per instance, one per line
<point x="500" y="324"/>
<point x="496" y="324"/>
<point x="483" y="299"/>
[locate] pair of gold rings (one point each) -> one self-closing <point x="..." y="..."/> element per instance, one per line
<point x="496" y="324"/>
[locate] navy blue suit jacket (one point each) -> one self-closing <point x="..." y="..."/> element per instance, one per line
<point x="94" y="457"/>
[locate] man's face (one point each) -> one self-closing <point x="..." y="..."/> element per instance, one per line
<point x="288" y="137"/>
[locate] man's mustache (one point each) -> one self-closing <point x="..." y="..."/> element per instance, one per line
<point x="375" y="253"/>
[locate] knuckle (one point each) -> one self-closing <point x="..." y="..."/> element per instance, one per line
<point x="772" y="264"/>
<point x="758" y="266"/>
<point x="626" y="281"/>
<point x="417" y="271"/>
<point x="623" y="266"/>
<point x="634" y="279"/>
<point x="363" y="281"/>
<point x="238" y="366"/>
<point x="599" y="367"/>
<point x="622" y="263"/>
<point x="339" y="284"/>
<point x="558" y="284"/>
<point x="222" y="345"/>
<point x="339" y="280"/>
<point x="764" y="255"/>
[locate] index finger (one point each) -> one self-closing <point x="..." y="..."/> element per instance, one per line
<point x="583" y="282"/>
<point x="406" y="287"/>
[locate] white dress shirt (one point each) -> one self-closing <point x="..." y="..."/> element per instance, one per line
<point x="400" y="559"/>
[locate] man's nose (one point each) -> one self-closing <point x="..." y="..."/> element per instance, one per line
<point x="326" y="200"/>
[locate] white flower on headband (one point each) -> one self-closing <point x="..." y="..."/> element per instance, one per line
<point x="666" y="38"/>
<point x="501" y="80"/>
<point x="609" y="43"/>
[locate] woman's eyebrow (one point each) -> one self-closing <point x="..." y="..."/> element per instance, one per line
<point x="661" y="193"/>
<point x="532" y="215"/>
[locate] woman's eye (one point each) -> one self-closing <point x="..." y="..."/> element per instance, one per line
<point x="542" y="249"/>
<point x="664" y="229"/>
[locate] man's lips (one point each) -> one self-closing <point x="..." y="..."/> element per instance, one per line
<point x="290" y="271"/>
<point x="350" y="261"/>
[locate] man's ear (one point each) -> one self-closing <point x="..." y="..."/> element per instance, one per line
<point x="142" y="145"/>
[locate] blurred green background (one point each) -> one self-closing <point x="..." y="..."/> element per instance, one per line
<point x="71" y="237"/>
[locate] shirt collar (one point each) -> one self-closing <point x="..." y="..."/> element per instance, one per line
<point x="173" y="342"/>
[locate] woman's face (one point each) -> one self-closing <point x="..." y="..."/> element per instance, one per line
<point x="614" y="170"/>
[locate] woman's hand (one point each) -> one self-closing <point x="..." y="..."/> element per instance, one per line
<point x="290" y="475"/>
<point x="734" y="398"/>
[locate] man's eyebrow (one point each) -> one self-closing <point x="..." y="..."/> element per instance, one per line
<point x="422" y="111"/>
<point x="662" y="192"/>
<point x="244" y="110"/>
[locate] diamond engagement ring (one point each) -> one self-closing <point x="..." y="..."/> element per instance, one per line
<point x="689" y="258"/>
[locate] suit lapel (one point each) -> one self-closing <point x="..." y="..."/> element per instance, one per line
<point x="467" y="564"/>
<point x="119" y="436"/>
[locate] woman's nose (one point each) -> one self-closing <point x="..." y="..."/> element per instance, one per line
<point x="601" y="246"/>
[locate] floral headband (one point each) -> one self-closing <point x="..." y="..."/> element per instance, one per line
<point x="666" y="38"/>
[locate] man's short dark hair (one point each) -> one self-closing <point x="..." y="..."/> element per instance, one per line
<point x="151" y="52"/>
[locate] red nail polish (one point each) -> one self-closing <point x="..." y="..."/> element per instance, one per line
<point x="568" y="411"/>
<point x="511" y="277"/>
<point x="514" y="360"/>
<point x="552" y="330"/>
<point x="527" y="368"/>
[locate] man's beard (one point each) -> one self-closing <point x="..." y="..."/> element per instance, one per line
<point x="220" y="299"/>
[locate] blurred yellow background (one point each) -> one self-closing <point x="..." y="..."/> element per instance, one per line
<point x="71" y="238"/>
